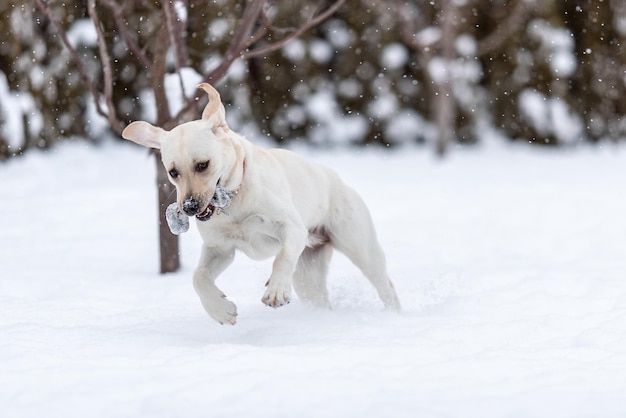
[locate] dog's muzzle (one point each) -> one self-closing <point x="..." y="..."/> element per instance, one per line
<point x="191" y="206"/>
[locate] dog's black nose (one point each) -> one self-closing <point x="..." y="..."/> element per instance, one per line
<point x="191" y="206"/>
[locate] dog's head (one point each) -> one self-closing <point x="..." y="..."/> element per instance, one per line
<point x="197" y="155"/>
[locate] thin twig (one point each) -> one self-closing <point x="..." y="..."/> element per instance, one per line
<point x="512" y="24"/>
<point x="122" y="27"/>
<point x="175" y="31"/>
<point x="261" y="30"/>
<point x="248" y="20"/>
<point x="296" y="33"/>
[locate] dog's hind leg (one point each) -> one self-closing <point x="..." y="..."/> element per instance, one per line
<point x="352" y="232"/>
<point x="309" y="279"/>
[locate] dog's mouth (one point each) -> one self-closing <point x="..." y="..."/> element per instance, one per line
<point x="218" y="204"/>
<point x="206" y="214"/>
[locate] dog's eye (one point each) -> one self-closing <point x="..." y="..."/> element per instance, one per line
<point x="200" y="167"/>
<point x="174" y="173"/>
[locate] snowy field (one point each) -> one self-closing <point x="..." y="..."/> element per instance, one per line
<point x="510" y="263"/>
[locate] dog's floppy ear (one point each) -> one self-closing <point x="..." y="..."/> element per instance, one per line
<point x="144" y="134"/>
<point x="214" y="111"/>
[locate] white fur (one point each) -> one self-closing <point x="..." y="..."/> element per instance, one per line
<point x="286" y="207"/>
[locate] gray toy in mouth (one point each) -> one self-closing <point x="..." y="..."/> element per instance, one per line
<point x="179" y="222"/>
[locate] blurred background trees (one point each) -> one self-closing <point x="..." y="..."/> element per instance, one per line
<point x="322" y="72"/>
<point x="377" y="72"/>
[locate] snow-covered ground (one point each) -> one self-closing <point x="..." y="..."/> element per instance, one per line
<point x="510" y="264"/>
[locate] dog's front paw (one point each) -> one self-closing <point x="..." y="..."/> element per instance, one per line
<point x="277" y="295"/>
<point x="223" y="311"/>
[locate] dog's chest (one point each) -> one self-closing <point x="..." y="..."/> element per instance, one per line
<point x="254" y="235"/>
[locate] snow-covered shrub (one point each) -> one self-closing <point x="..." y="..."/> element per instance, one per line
<point x="379" y="72"/>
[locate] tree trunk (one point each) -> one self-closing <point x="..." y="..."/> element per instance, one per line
<point x="445" y="118"/>
<point x="168" y="242"/>
<point x="445" y="106"/>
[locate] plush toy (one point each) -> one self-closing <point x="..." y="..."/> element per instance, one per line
<point x="179" y="222"/>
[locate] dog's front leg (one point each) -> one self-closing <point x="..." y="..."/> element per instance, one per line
<point x="292" y="237"/>
<point x="212" y="263"/>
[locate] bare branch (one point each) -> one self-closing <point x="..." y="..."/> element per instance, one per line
<point x="261" y="31"/>
<point x="244" y="38"/>
<point x="82" y="70"/>
<point x="237" y="45"/>
<point x="240" y="41"/>
<point x="107" y="69"/>
<point x="157" y="75"/>
<point x="515" y="19"/>
<point x="297" y="32"/>
<point x="123" y="29"/>
<point x="176" y="33"/>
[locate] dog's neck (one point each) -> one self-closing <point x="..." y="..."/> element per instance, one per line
<point x="223" y="195"/>
<point x="235" y="180"/>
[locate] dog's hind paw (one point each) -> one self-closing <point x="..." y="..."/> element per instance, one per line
<point x="224" y="311"/>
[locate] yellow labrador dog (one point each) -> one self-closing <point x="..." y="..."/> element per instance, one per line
<point x="281" y="206"/>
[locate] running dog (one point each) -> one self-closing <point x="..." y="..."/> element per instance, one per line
<point x="280" y="205"/>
